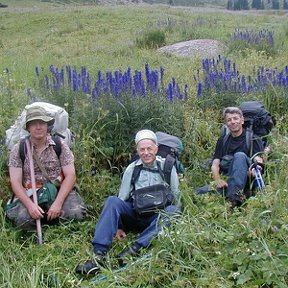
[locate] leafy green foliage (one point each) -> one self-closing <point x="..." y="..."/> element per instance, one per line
<point x="107" y="115"/>
<point x="151" y="39"/>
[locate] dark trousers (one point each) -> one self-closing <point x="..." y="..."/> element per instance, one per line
<point x="117" y="214"/>
<point x="238" y="175"/>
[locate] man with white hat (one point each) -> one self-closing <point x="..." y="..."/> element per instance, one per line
<point x="119" y="214"/>
<point x="67" y="203"/>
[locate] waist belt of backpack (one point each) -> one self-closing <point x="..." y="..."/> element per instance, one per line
<point x="29" y="186"/>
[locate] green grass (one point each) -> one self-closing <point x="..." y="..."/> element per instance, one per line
<point x="90" y="36"/>
<point x="208" y="246"/>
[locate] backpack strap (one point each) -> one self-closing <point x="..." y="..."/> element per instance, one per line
<point x="249" y="139"/>
<point x="168" y="166"/>
<point x="22" y="150"/>
<point x="165" y="173"/>
<point x="160" y="171"/>
<point x="136" y="173"/>
<point x="225" y="139"/>
<point x="57" y="148"/>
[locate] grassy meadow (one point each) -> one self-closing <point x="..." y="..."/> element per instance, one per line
<point x="208" y="246"/>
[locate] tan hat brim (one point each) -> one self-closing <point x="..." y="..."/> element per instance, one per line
<point x="49" y="120"/>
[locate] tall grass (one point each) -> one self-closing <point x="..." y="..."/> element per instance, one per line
<point x="109" y="108"/>
<point x="208" y="246"/>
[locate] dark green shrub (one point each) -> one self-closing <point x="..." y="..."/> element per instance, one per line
<point x="151" y="39"/>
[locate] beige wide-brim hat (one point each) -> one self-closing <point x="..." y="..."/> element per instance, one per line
<point x="145" y="134"/>
<point x="38" y="113"/>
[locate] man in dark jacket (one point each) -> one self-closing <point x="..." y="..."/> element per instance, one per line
<point x="232" y="157"/>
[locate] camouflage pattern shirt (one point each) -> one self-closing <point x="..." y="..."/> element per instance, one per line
<point x="48" y="159"/>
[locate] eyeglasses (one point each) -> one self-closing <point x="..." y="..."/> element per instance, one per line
<point x="149" y="149"/>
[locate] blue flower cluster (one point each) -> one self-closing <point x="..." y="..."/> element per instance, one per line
<point x="221" y="75"/>
<point x="117" y="83"/>
<point x="254" y="37"/>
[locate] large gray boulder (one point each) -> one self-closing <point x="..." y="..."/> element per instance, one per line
<point x="195" y="48"/>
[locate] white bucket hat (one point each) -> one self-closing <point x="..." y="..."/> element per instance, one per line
<point x="145" y="134"/>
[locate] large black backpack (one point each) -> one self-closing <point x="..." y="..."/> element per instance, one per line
<point x="257" y="121"/>
<point x="257" y="118"/>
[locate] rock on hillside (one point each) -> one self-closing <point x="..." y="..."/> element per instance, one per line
<point x="119" y="2"/>
<point x="195" y="48"/>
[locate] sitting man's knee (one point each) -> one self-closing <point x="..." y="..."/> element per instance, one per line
<point x="240" y="155"/>
<point x="112" y="200"/>
<point x="78" y="212"/>
<point x="172" y="209"/>
<point x="241" y="159"/>
<point x="24" y="221"/>
<point x="74" y="207"/>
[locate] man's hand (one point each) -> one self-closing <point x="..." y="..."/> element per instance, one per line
<point x="215" y="168"/>
<point x="120" y="234"/>
<point x="54" y="211"/>
<point x="258" y="159"/>
<point x="220" y="183"/>
<point x="35" y="211"/>
<point x="258" y="164"/>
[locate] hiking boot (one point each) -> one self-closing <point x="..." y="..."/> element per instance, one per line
<point x="203" y="190"/>
<point x="91" y="266"/>
<point x="132" y="251"/>
<point x="234" y="203"/>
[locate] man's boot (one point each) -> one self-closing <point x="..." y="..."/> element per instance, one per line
<point x="91" y="266"/>
<point x="132" y="251"/>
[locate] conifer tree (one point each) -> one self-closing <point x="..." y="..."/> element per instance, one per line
<point x="257" y="4"/>
<point x="244" y="5"/>
<point x="230" y="5"/>
<point x="275" y="4"/>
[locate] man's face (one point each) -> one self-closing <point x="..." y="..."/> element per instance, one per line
<point x="38" y="129"/>
<point x="147" y="151"/>
<point x="234" y="122"/>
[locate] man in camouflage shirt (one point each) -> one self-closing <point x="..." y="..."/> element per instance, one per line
<point x="68" y="203"/>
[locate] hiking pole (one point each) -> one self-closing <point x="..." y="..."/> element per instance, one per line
<point x="33" y="183"/>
